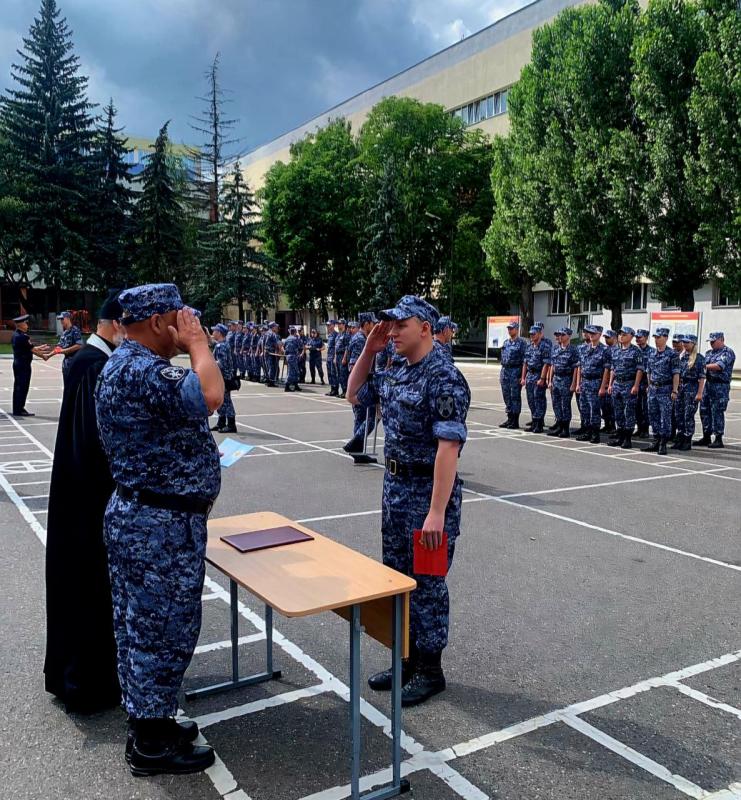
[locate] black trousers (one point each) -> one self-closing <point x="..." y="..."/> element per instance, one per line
<point x="21" y="384"/>
<point x="315" y="365"/>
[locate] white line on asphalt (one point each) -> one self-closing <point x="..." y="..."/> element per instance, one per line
<point x="704" y="698"/>
<point x="15" y="498"/>
<point x="30" y="483"/>
<point x="295" y="413"/>
<point x="33" y="496"/>
<point x="629" y="754"/>
<point x="226" y="643"/>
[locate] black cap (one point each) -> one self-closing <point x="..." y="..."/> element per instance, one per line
<point x="111" y="308"/>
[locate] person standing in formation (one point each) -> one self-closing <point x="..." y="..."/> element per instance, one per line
<point x="315" y="345"/>
<point x="341" y="343"/>
<point x="593" y="376"/>
<point x="562" y="381"/>
<point x="224" y="356"/>
<point x="512" y="358"/>
<point x="534" y="375"/>
<point x="626" y="374"/>
<point x="691" y="387"/>
<point x="719" y="361"/>
<point x="662" y="369"/>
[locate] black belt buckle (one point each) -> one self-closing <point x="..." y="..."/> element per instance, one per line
<point x="392" y="465"/>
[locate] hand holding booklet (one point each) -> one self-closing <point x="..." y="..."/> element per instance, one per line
<point x="430" y="562"/>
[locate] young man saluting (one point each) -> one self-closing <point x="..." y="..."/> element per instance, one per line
<point x="424" y="401"/>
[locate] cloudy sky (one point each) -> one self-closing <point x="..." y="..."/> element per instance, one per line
<point x="284" y="61"/>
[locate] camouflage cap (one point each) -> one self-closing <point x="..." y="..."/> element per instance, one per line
<point x="142" y="302"/>
<point x="411" y="306"/>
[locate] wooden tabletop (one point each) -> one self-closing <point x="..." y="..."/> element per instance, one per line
<point x="303" y="578"/>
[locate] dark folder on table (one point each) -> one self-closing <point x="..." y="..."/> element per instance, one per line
<point x="261" y="540"/>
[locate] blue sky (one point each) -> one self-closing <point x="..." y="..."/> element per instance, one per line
<point x="283" y="61"/>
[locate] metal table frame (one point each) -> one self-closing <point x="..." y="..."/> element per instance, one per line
<point x="398" y="785"/>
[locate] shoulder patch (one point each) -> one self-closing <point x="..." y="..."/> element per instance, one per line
<point x="445" y="406"/>
<point x="172" y="373"/>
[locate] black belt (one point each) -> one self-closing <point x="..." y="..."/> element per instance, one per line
<point x="595" y="377"/>
<point x="513" y="366"/>
<point x="716" y="380"/>
<point x="562" y="374"/>
<point x="534" y="369"/>
<point x="625" y="378"/>
<point x="661" y="383"/>
<point x="191" y="505"/>
<point x="410" y="470"/>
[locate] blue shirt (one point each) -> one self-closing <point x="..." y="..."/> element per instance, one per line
<point x="594" y="361"/>
<point x="662" y="365"/>
<point x="565" y="360"/>
<point x="341" y="343"/>
<point x="536" y="355"/>
<point x="292" y="346"/>
<point x="22" y="348"/>
<point x="225" y="359"/>
<point x="153" y="424"/>
<point x="69" y="338"/>
<point x="315" y="344"/>
<point x="420" y="404"/>
<point x="691" y="374"/>
<point x="513" y="352"/>
<point x="726" y="358"/>
<point x="331" y="338"/>
<point x="355" y="348"/>
<point x="626" y="361"/>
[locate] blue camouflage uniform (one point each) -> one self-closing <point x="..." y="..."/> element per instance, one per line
<point x="626" y="362"/>
<point x="385" y="357"/>
<point x="536" y="356"/>
<point x="513" y="354"/>
<point x="332" y="377"/>
<point x="224" y="357"/>
<point x="581" y="403"/>
<point x="341" y="343"/>
<point x="303" y="340"/>
<point x="68" y="338"/>
<point x="717" y="388"/>
<point x="152" y="419"/>
<point x="420" y="404"/>
<point x="607" y="405"/>
<point x="271" y="345"/>
<point x="565" y="360"/>
<point x="291" y="348"/>
<point x="593" y="361"/>
<point x="689" y="385"/>
<point x="315" y="344"/>
<point x="354" y="350"/>
<point x="661" y="366"/>
<point x="642" y="418"/>
<point x="238" y="343"/>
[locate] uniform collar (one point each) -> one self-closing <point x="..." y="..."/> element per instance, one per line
<point x="101" y="344"/>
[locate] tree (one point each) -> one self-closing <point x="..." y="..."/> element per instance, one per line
<point x="234" y="264"/>
<point x="111" y="208"/>
<point x="714" y="173"/>
<point x="311" y="210"/>
<point x="160" y="219"/>
<point x="668" y="43"/>
<point x="49" y="129"/>
<point x="16" y="263"/>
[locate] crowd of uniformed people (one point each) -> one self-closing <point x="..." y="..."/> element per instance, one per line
<point x="623" y="382"/>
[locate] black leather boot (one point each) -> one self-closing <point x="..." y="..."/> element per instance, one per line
<point x="662" y="445"/>
<point x="627" y="443"/>
<point x="704" y="442"/>
<point x="156" y="751"/>
<point x="718" y="443"/>
<point x="220" y="425"/>
<point x="678" y="442"/>
<point x="617" y="439"/>
<point x="529" y="425"/>
<point x="381" y="681"/>
<point x="355" y="445"/>
<point x="653" y="447"/>
<point x="427" y="681"/>
<point x="565" y="433"/>
<point x="686" y="444"/>
<point x="507" y="423"/>
<point x="231" y="425"/>
<point x="515" y="424"/>
<point x="594" y="438"/>
<point x="555" y="430"/>
<point x="186" y="731"/>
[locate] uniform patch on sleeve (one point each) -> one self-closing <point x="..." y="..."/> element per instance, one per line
<point x="172" y="373"/>
<point x="445" y="406"/>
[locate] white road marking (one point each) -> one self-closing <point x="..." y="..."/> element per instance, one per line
<point x="705" y="698"/>
<point x="226" y="643"/>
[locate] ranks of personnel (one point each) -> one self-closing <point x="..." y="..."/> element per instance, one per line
<point x="292" y="347"/>
<point x="332" y="377"/>
<point x="231" y="333"/>
<point x="562" y="381"/>
<point x="341" y="343"/>
<point x="606" y="404"/>
<point x="581" y="403"/>
<point x="512" y="358"/>
<point x="249" y="369"/>
<point x="592" y="380"/>
<point x="444" y="336"/>
<point x="314" y="347"/>
<point x="237" y="344"/>
<point x="625" y="379"/>
<point x="642" y="418"/>
<point x="227" y="421"/>
<point x="719" y="361"/>
<point x="424" y="402"/>
<point x="273" y="350"/>
<point x="254" y="357"/>
<point x="364" y="417"/>
<point x="662" y="369"/>
<point x="70" y="341"/>
<point x="678" y="347"/>
<point x="23" y="352"/>
<point x="691" y="386"/>
<point x="152" y="418"/>
<point x="534" y="375"/>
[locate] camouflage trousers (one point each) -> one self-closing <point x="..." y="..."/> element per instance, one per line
<point x="608" y="408"/>
<point x="713" y="407"/>
<point x="536" y="397"/>
<point x="660" y="409"/>
<point x="592" y="413"/>
<point x="509" y="379"/>
<point x="406" y="503"/>
<point x="359" y="413"/>
<point x="332" y="378"/>
<point x="293" y="376"/>
<point x="156" y="564"/>
<point x="642" y="418"/>
<point x="686" y="408"/>
<point x="561" y="397"/>
<point x="343" y="373"/>
<point x="226" y="409"/>
<point x="624" y="404"/>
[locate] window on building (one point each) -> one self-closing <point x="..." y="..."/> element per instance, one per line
<point x="559" y="301"/>
<point x="490" y="106"/>
<point x="638" y="298"/>
<point x="589" y="307"/>
<point x="725" y="300"/>
<point x="503" y="99"/>
<point x="485" y="108"/>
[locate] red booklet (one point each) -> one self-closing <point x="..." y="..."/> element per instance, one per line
<point x="430" y="562"/>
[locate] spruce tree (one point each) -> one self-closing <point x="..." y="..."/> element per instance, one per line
<point x="48" y="124"/>
<point x="159" y="219"/>
<point x="111" y="223"/>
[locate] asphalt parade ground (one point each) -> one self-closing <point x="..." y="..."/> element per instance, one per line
<point x="595" y="622"/>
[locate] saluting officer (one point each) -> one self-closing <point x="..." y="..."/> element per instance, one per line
<point x="512" y="358"/>
<point x="23" y="353"/>
<point x="663" y="389"/>
<point x="534" y="376"/>
<point x="153" y="424"/>
<point x="691" y="386"/>
<point x="562" y="381"/>
<point x="719" y="361"/>
<point x="424" y="402"/>
<point x="625" y="381"/>
<point x="593" y="376"/>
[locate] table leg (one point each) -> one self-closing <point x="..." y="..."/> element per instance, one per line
<point x="355" y="700"/>
<point x="237" y="682"/>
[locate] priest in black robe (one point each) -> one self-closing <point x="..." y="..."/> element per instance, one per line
<point x="80" y="666"/>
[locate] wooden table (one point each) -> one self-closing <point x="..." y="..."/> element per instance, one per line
<point x="298" y="580"/>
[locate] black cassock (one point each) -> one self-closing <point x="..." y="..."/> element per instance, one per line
<point x="80" y="667"/>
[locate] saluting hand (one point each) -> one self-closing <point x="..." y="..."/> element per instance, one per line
<point x="189" y="333"/>
<point x="378" y="338"/>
